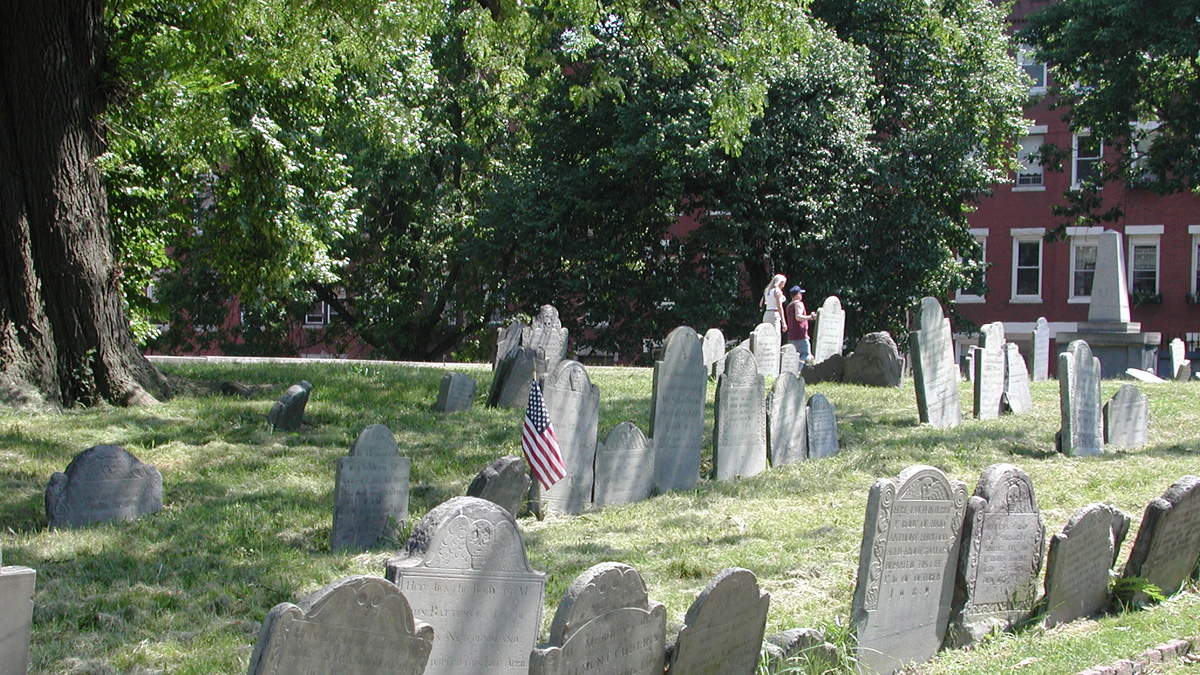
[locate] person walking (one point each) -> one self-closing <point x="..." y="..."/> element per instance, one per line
<point x="797" y="318"/>
<point x="773" y="302"/>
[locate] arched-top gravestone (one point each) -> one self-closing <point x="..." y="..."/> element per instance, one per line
<point x="546" y="333"/>
<point x="991" y="335"/>
<point x="714" y="352"/>
<point x="370" y="494"/>
<point x="624" y="466"/>
<point x="831" y="329"/>
<point x="605" y="623"/>
<point x="935" y="375"/>
<point x="1127" y="418"/>
<point x="677" y="411"/>
<point x="723" y="630"/>
<point x="764" y="342"/>
<point x="504" y="482"/>
<point x="1041" y="350"/>
<point x="1082" y="431"/>
<point x="287" y="414"/>
<point x="1078" y="563"/>
<point x="789" y="358"/>
<point x="357" y="626"/>
<point x="740" y="429"/>
<point x="786" y="428"/>
<point x="821" y="436"/>
<point x="103" y="483"/>
<point x="464" y="571"/>
<point x="1168" y="542"/>
<point x="573" y="404"/>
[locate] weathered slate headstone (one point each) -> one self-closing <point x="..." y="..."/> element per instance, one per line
<point x="456" y="392"/>
<point x="1041" y="350"/>
<point x="787" y="429"/>
<point x="507" y="339"/>
<point x="624" y="466"/>
<point x="874" y="362"/>
<point x="764" y="342"/>
<point x="370" y="494"/>
<point x="288" y="412"/>
<point x="357" y="626"/>
<point x="723" y="630"/>
<point x="906" y="568"/>
<point x="740" y="429"/>
<point x="504" y="482"/>
<point x="511" y="380"/>
<point x="831" y="329"/>
<point x="546" y="333"/>
<point x="1168" y="541"/>
<point x="1181" y="367"/>
<point x="714" y="352"/>
<point x="102" y="483"/>
<point x="821" y="419"/>
<point x="789" y="359"/>
<point x="1000" y="557"/>
<point x="573" y="403"/>
<point x="1082" y="431"/>
<point x="606" y="623"/>
<point x="1017" y="398"/>
<point x="934" y="374"/>
<point x="989" y="382"/>
<point x="677" y="411"/>
<point x="464" y="572"/>
<point x="1079" y="560"/>
<point x="16" y="617"/>
<point x="1127" y="418"/>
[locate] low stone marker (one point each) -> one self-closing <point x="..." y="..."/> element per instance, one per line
<point x="101" y="484"/>
<point x="573" y="404"/>
<point x="821" y="421"/>
<point x="1000" y="557"/>
<point x="288" y="412"/>
<point x="831" y="329"/>
<point x="511" y="380"/>
<point x="1127" y="418"/>
<point x="370" y="493"/>
<point x="1168" y="541"/>
<point x="464" y="572"/>
<point x="624" y="466"/>
<point x="988" y="381"/>
<point x="456" y="392"/>
<point x="787" y="429"/>
<point x="1143" y="376"/>
<point x="504" y="482"/>
<point x="1082" y="431"/>
<point x="16" y="617"/>
<point x="740" y="430"/>
<point x="1017" y="398"/>
<point x="1079" y="560"/>
<point x="935" y="375"/>
<point x="906" y="568"/>
<point x="606" y="624"/>
<point x="723" y="630"/>
<point x="789" y="359"/>
<point x="677" y="411"/>
<point x="546" y="334"/>
<point x="714" y="352"/>
<point x="357" y="626"/>
<point x="1041" y="350"/>
<point x="765" y="343"/>
<point x="874" y="362"/>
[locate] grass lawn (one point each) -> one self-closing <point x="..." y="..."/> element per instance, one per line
<point x="248" y="513"/>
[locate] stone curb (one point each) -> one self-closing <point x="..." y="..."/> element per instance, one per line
<point x="1175" y="649"/>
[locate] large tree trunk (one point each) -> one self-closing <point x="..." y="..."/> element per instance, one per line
<point x="63" y="329"/>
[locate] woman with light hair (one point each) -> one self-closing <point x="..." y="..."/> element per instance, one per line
<point x="773" y="302"/>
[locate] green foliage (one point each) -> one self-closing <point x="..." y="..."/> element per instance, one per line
<point x="1127" y="592"/>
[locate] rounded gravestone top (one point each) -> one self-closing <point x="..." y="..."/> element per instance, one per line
<point x="466" y="533"/>
<point x="375" y="441"/>
<point x="603" y="588"/>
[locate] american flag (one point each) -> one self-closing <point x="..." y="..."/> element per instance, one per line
<point x="538" y="441"/>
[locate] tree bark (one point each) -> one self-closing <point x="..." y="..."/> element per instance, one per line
<point x="63" y="328"/>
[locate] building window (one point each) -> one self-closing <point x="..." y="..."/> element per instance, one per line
<point x="1030" y="173"/>
<point x="1083" y="266"/>
<point x="980" y="259"/>
<point x="1035" y="71"/>
<point x="317" y="314"/>
<point x="1143" y="265"/>
<point x="1027" y="266"/>
<point x="1087" y="153"/>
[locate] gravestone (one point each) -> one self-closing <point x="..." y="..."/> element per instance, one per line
<point x="288" y="412"/>
<point x="573" y="403"/>
<point x="1041" y="350"/>
<point x="677" y="411"/>
<point x="934" y="374"/>
<point x="1078" y="563"/>
<point x="831" y="329"/>
<point x="991" y="335"/>
<point x="874" y="362"/>
<point x="504" y="482"/>
<point x="357" y="626"/>
<point x="969" y="362"/>
<point x="714" y="352"/>
<point x="789" y="359"/>
<point x="1168" y="541"/>
<point x="510" y="382"/>
<point x="989" y="382"/>
<point x="624" y="466"/>
<point x="605" y="623"/>
<point x="456" y="392"/>
<point x="787" y="430"/>
<point x="1127" y="418"/>
<point x="1000" y="558"/>
<point x="821" y="420"/>
<point x="764" y="342"/>
<point x="740" y="429"/>
<point x="16" y="617"/>
<point x="507" y="339"/>
<point x="1082" y="431"/>
<point x="1181" y="367"/>
<point x="465" y="573"/>
<point x="370" y="494"/>
<point x="1017" y="398"/>
<point x="906" y="568"/>
<point x="546" y="334"/>
<point x="1143" y="376"/>
<point x="723" y="630"/>
<point x="101" y="484"/>
<point x="831" y="369"/>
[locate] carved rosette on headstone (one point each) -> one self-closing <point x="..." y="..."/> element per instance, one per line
<point x="831" y="329"/>
<point x="821" y="436"/>
<point x="1017" y="399"/>
<point x="16" y="617"/>
<point x="605" y="623"/>
<point x="764" y="343"/>
<point x="456" y="392"/>
<point x="357" y="626"/>
<point x="988" y="381"/>
<point x="723" y="630"/>
<point x="1078" y="563"/>
<point x="787" y="429"/>
<point x="1041" y="350"/>
<point x="464" y="572"/>
<point x="677" y="411"/>
<point x="504" y="482"/>
<point x="287" y="414"/>
<point x="906" y="568"/>
<point x="624" y="466"/>
<point x="573" y="403"/>
<point x="1168" y="541"/>
<point x="875" y="362"/>
<point x="546" y="333"/>
<point x="1000" y="557"/>
<point x="1082" y="431"/>
<point x="740" y="429"/>
<point x="370" y="494"/>
<point x="101" y="484"/>
<point x="511" y="380"/>
<point x="934" y="374"/>
<point x="714" y="352"/>
<point x="1127" y="418"/>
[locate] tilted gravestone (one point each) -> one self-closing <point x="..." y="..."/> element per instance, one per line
<point x="787" y="430"/>
<point x="1181" y="367"/>
<point x="1082" y="431"/>
<point x="1168" y="541"/>
<point x="906" y="568"/>
<point x="874" y="362"/>
<point x="507" y="339"/>
<point x="988" y="381"/>
<point x="465" y="573"/>
<point x="456" y="392"/>
<point x="511" y="380"/>
<point x="357" y="626"/>
<point x="764" y="342"/>
<point x="1078" y="563"/>
<point x="714" y="352"/>
<point x="1000" y="558"/>
<point x="677" y="411"/>
<point x="1041" y="350"/>
<point x="573" y="403"/>
<point x="16" y="617"/>
<point x="740" y="429"/>
<point x="101" y="484"/>
<point x="789" y="359"/>
<point x="546" y="333"/>
<point x="831" y="329"/>
<point x="624" y="466"/>
<point x="504" y="482"/>
<point x="821" y="433"/>
<point x="606" y="623"/>
<point x="1017" y="398"/>
<point x="723" y="630"/>
<point x="288" y="412"/>
<point x="370" y="494"/>
<point x="934" y="374"/>
<point x="1127" y="418"/>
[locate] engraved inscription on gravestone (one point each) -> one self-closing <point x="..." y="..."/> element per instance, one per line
<point x="456" y="392"/>
<point x="624" y="466"/>
<point x="1041" y="350"/>
<point x="677" y="411"/>
<point x="573" y="403"/>
<point x="1082" y="431"/>
<point x="287" y="414"/>
<point x="764" y="342"/>
<point x="370" y="495"/>
<point x="723" y="630"/>
<point x="1127" y="418"/>
<point x="1168" y="541"/>
<point x="102" y="483"/>
<point x="1078" y="563"/>
<point x="831" y="329"/>
<point x="740" y="429"/>
<point x="935" y="376"/>
<point x="504" y="482"/>
<point x="821" y="420"/>
<point x="16" y="617"/>
<point x="787" y="422"/>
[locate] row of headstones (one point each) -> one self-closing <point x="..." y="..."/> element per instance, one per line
<point x="770" y="357"/>
<point x="1089" y="423"/>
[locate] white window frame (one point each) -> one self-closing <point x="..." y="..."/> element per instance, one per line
<point x="967" y="298"/>
<point x="1144" y="235"/>
<point x="1080" y="236"/>
<point x="1026" y="235"/>
<point x="1036" y="136"/>
<point x="322" y="312"/>
<point x="1075" y="157"/>
<point x="1024" y="59"/>
<point x="1194" y="230"/>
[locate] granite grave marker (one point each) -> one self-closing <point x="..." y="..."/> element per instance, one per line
<point x="740" y="429"/>
<point x="1181" y="367"/>
<point x="677" y="411"/>
<point x="789" y="359"/>
<point x="624" y="466"/>
<point x="573" y="403"/>
<point x="723" y="630"/>
<point x="874" y="362"/>
<point x="787" y="429"/>
<point x="370" y="494"/>
<point x="101" y="484"/>
<point x="507" y="339"/>
<point x="821" y="422"/>
<point x="1078" y="563"/>
<point x="511" y="380"/>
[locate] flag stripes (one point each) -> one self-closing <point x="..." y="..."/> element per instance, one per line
<point x="539" y="442"/>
